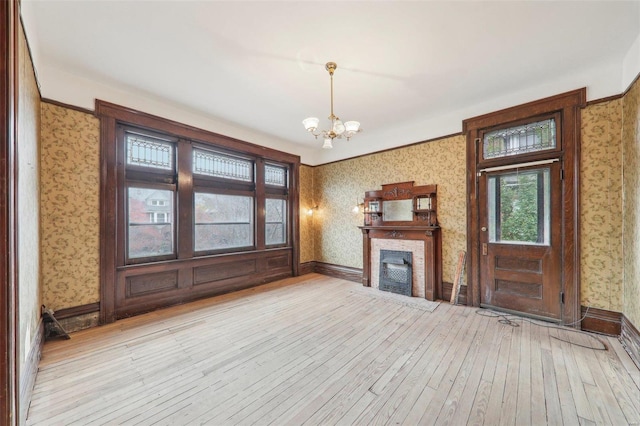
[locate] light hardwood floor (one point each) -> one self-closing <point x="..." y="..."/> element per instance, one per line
<point x="319" y="350"/>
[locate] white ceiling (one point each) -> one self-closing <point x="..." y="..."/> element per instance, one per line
<point x="408" y="71"/>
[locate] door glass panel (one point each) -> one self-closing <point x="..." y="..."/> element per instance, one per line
<point x="531" y="137"/>
<point x="519" y="207"/>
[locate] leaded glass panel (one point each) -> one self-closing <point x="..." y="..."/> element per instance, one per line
<point x="149" y="152"/>
<point x="222" y="166"/>
<point x="530" y="137"/>
<point x="274" y="175"/>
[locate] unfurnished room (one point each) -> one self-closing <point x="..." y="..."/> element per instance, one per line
<point x="319" y="212"/>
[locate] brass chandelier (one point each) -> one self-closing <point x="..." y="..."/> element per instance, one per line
<point x="338" y="129"/>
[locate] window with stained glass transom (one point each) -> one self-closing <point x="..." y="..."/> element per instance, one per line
<point x="526" y="138"/>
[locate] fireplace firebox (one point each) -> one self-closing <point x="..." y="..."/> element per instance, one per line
<point x="396" y="271"/>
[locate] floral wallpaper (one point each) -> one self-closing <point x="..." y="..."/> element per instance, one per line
<point x="631" y="196"/>
<point x="601" y="206"/>
<point x="69" y="200"/>
<point x="306" y="221"/>
<point x="339" y="186"/>
<point x="610" y="136"/>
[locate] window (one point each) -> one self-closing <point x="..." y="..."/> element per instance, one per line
<point x="222" y="186"/>
<point x="186" y="213"/>
<point x="149" y="152"/>
<point x="150" y="233"/>
<point x="222" y="166"/>
<point x="276" y="212"/>
<point x="150" y="180"/>
<point x="519" y="207"/>
<point x="527" y="138"/>
<point x="275" y="221"/>
<point x="222" y="221"/>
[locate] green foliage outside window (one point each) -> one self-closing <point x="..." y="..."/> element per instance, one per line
<point x="519" y="208"/>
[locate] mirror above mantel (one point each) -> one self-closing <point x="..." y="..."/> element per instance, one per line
<point x="401" y="204"/>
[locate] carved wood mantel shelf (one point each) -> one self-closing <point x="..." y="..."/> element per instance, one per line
<point x="402" y="211"/>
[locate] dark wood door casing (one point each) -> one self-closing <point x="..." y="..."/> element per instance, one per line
<point x="9" y="25"/>
<point x="129" y="288"/>
<point x="567" y="106"/>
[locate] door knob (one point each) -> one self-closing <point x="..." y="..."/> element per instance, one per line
<point x="483" y="229"/>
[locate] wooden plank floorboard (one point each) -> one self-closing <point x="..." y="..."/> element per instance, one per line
<point x="318" y="350"/>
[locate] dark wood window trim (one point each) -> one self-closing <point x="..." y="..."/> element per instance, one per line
<point x="186" y="275"/>
<point x="567" y="106"/>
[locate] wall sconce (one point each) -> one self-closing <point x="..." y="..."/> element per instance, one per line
<point x="358" y="207"/>
<point x="311" y="210"/>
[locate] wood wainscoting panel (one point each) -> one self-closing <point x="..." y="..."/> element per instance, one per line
<point x="141" y="285"/>
<point x="146" y="287"/>
<point x="223" y="271"/>
<point x="280" y="261"/>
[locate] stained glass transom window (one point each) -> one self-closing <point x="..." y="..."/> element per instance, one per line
<point x="149" y="152"/>
<point x="223" y="166"/>
<point x="274" y="175"/>
<point x="530" y="137"/>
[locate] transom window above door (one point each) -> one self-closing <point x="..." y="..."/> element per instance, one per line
<point x="533" y="138"/>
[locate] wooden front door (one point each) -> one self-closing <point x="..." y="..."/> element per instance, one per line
<point x="520" y="238"/>
<point x="523" y="213"/>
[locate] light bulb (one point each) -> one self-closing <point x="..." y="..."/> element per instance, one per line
<point x="338" y="127"/>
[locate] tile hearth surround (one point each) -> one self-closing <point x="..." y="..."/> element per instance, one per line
<point x="416" y="247"/>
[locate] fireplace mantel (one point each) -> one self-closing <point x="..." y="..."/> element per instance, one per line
<point x="429" y="235"/>
<point x="404" y="212"/>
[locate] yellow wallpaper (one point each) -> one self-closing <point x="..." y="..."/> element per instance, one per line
<point x="70" y="221"/>
<point x="338" y="186"/>
<point x="70" y="215"/>
<point x="631" y="213"/>
<point x="306" y="221"/>
<point x="601" y="206"/>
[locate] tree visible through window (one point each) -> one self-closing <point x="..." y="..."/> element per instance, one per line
<point x="222" y="221"/>
<point x="519" y="207"/>
<point x="223" y="187"/>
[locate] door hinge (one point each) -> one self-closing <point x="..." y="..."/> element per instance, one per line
<point x="562" y="297"/>
<point x="561" y="174"/>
